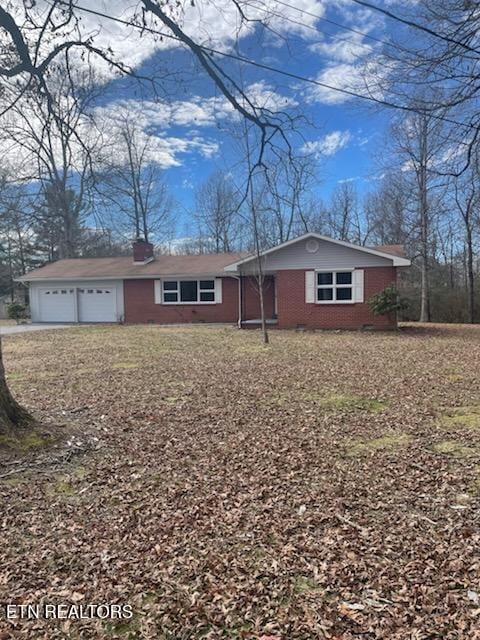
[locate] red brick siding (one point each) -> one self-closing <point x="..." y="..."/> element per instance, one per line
<point x="294" y="311"/>
<point x="251" y="301"/>
<point x="140" y="305"/>
<point x="142" y="250"/>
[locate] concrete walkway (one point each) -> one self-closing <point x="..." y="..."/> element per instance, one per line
<point x="26" y="328"/>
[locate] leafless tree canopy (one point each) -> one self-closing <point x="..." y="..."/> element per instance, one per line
<point x="137" y="199"/>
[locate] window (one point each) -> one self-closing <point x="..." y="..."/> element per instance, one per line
<point x="334" y="286"/>
<point x="207" y="290"/>
<point x="325" y="278"/>
<point x="188" y="291"/>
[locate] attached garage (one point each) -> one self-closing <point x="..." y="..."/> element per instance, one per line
<point x="77" y="301"/>
<point x="56" y="304"/>
<point x="97" y="304"/>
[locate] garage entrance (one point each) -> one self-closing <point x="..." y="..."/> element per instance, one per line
<point x="57" y="304"/>
<point x="97" y="304"/>
<point x="78" y="302"/>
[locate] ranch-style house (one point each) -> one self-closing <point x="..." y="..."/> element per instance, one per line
<point x="311" y="282"/>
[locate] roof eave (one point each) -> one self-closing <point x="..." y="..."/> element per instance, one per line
<point x="401" y="262"/>
<point x="216" y="274"/>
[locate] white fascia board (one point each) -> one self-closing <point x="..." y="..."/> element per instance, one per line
<point x="192" y="276"/>
<point x="396" y="260"/>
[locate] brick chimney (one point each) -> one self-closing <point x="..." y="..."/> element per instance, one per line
<point x="142" y="251"/>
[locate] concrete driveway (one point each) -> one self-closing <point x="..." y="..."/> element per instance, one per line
<point x="26" y="328"/>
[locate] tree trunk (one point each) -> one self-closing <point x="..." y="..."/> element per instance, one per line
<point x="452" y="274"/>
<point x="256" y="238"/>
<point x="424" y="301"/>
<point x="12" y="415"/>
<point x="424" y="226"/>
<point x="260" y="278"/>
<point x="266" y="339"/>
<point x="470" y="278"/>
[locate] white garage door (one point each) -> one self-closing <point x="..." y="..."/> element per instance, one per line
<point x="97" y="304"/>
<point x="57" y="304"/>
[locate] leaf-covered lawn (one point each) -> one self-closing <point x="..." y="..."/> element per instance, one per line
<point x="325" y="486"/>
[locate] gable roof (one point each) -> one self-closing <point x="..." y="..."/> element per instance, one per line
<point x="210" y="264"/>
<point x="392" y="253"/>
<point x="123" y="268"/>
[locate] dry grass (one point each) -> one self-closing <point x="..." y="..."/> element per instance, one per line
<point x="311" y="489"/>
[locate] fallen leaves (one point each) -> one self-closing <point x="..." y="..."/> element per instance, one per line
<point x="220" y="497"/>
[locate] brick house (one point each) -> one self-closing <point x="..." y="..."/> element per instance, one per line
<point x="311" y="281"/>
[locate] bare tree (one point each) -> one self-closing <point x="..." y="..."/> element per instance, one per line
<point x="343" y="211"/>
<point x="467" y="199"/>
<point x="48" y="152"/>
<point x="434" y="55"/>
<point x="33" y="46"/>
<point x="419" y="146"/>
<point x="132" y="181"/>
<point x="314" y="216"/>
<point x="17" y="238"/>
<point x="389" y="210"/>
<point x="287" y="205"/>
<point x="215" y="211"/>
<point x="253" y="207"/>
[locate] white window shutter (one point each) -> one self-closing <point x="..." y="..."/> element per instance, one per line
<point x="309" y="286"/>
<point x="158" y="291"/>
<point x="218" y="290"/>
<point x="358" y="277"/>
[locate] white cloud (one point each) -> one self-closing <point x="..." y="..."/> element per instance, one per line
<point x="342" y="76"/>
<point x="263" y="96"/>
<point x="153" y="120"/>
<point x="361" y="79"/>
<point x="329" y="145"/>
<point x="104" y="139"/>
<point x="196" y="111"/>
<point x="362" y="18"/>
<point x="219" y="23"/>
<point x="216" y="24"/>
<point x="343" y="49"/>
<point x="351" y="62"/>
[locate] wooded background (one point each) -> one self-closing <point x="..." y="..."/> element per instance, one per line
<point x="81" y="196"/>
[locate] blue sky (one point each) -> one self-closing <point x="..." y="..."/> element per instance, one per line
<point x="188" y="118"/>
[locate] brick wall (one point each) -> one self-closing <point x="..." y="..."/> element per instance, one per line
<point x="251" y="301"/>
<point x="140" y="305"/>
<point x="294" y="311"/>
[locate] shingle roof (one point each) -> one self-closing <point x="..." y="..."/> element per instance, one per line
<point x="78" y="268"/>
<point x="124" y="268"/>
<point x="394" y="249"/>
